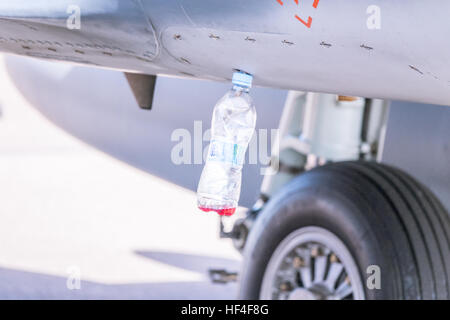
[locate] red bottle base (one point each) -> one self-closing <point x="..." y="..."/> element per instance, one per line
<point x="223" y="212"/>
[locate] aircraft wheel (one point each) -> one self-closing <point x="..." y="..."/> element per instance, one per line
<point x="350" y="230"/>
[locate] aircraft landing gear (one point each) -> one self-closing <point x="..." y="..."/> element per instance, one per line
<point x="348" y="227"/>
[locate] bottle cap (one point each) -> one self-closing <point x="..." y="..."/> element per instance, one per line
<point x="242" y="79"/>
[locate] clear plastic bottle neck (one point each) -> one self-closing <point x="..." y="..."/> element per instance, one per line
<point x="239" y="88"/>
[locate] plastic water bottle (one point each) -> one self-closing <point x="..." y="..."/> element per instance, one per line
<point x="232" y="127"/>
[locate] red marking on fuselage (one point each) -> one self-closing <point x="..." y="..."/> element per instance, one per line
<point x="307" y="24"/>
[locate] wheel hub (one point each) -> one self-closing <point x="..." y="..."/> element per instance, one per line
<point x="312" y="264"/>
<point x="302" y="294"/>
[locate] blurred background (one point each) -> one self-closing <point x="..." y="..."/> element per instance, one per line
<point x="88" y="188"/>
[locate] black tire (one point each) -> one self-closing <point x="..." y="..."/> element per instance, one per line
<point x="380" y="213"/>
